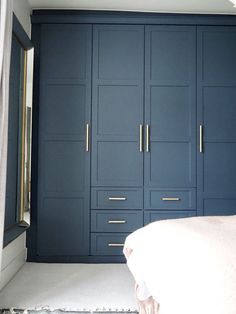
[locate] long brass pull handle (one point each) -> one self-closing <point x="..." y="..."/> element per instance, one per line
<point x="170" y="198"/>
<point x="115" y="244"/>
<point x="87" y="138"/>
<point x="117" y="198"/>
<point x="201" y="138"/>
<point x="116" y="221"/>
<point x="141" y="138"/>
<point x="147" y="138"/>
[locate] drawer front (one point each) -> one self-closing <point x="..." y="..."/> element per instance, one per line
<point x="116" y="221"/>
<point x="107" y="243"/>
<point x="151" y="216"/>
<point x="170" y="199"/>
<point x="117" y="199"/>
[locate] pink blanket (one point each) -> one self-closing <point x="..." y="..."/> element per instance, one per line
<point x="185" y="266"/>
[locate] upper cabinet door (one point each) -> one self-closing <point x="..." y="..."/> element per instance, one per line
<point x="64" y="163"/>
<point x="170" y="106"/>
<point x="117" y="105"/>
<point x="217" y="115"/>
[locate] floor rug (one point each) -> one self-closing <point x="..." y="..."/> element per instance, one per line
<point x="43" y="311"/>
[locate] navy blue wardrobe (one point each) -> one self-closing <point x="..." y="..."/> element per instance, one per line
<point x="133" y="123"/>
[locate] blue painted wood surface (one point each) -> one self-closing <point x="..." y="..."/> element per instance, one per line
<point x="142" y="74"/>
<point x="117" y="104"/>
<point x="64" y="165"/>
<point x="216" y="83"/>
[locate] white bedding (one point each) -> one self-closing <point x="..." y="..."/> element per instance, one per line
<point x="187" y="265"/>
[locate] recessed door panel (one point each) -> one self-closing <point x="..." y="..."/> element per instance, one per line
<point x="64" y="109"/>
<point x="118" y="162"/>
<point x="65" y="49"/>
<point x="119" y="110"/>
<point x="219" y="114"/>
<point x="68" y="157"/>
<point x="170" y="113"/>
<point x="60" y="218"/>
<point x="218" y="50"/>
<point x="119" y="50"/>
<point x="168" y="164"/>
<point x="219" y="168"/>
<point x="168" y="45"/>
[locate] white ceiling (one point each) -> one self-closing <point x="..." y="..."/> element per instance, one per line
<point x="171" y="6"/>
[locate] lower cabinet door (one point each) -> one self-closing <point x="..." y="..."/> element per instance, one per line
<point x="107" y="243"/>
<point x="151" y="216"/>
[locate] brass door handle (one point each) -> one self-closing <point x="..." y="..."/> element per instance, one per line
<point x="87" y="138"/>
<point x="140" y="138"/>
<point x="147" y="138"/>
<point x="170" y="198"/>
<point x="201" y="138"/>
<point x="116" y="221"/>
<point x="117" y="198"/>
<point x="115" y="244"/>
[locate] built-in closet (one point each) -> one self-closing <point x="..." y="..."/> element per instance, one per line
<point x="134" y="121"/>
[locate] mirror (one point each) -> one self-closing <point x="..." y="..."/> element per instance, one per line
<point x="17" y="208"/>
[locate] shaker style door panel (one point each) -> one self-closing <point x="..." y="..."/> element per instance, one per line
<point x="117" y="105"/>
<point x="64" y="163"/>
<point x="216" y="115"/>
<point x="170" y="106"/>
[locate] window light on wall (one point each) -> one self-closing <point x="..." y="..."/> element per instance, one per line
<point x="234" y="2"/>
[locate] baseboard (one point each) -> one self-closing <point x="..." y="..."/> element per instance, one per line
<point x="14" y="257"/>
<point x="9" y="272"/>
<point x="12" y="250"/>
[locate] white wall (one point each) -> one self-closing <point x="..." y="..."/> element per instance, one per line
<point x="14" y="254"/>
<point x="14" y="257"/>
<point x="22" y="11"/>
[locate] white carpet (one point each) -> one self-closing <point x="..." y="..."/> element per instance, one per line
<point x="70" y="286"/>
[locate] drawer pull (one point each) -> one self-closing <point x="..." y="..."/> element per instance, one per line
<point x="170" y="198"/>
<point x="115" y="244"/>
<point x="117" y="198"/>
<point x="116" y="221"/>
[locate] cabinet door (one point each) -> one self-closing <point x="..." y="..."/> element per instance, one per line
<point x="170" y="106"/>
<point x="217" y="115"/>
<point x="118" y="62"/>
<point x="64" y="171"/>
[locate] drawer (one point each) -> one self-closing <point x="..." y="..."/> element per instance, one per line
<point x="107" y="243"/>
<point x="117" y="199"/>
<point x="170" y="199"/>
<point x="116" y="221"/>
<point x="151" y="216"/>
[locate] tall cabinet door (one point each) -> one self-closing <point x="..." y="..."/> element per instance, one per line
<point x="64" y="171"/>
<point x="217" y="120"/>
<point x="170" y="117"/>
<point x="118" y="63"/>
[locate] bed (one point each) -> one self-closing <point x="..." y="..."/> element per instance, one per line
<point x="185" y="266"/>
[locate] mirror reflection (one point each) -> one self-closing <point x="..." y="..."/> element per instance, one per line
<point x="17" y="211"/>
